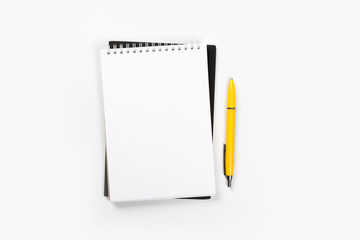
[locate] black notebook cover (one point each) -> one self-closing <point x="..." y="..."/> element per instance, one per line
<point x="211" y="55"/>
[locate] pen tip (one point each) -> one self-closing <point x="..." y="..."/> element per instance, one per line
<point x="229" y="178"/>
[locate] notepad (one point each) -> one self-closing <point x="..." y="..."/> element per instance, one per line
<point x="158" y="123"/>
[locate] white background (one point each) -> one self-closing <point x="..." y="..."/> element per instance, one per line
<point x="297" y="75"/>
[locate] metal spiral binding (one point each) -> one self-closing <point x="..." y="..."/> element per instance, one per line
<point x="153" y="47"/>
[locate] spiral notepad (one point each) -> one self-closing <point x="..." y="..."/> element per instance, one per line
<point x="158" y="124"/>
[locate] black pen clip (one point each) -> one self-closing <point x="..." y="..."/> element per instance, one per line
<point x="224" y="159"/>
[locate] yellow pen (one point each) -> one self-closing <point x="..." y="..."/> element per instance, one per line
<point x="230" y="133"/>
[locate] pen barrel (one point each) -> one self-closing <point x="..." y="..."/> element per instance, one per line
<point x="230" y="142"/>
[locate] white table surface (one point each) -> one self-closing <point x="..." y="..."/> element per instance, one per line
<point x="296" y="67"/>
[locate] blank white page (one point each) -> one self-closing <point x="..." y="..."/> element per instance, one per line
<point x="158" y="125"/>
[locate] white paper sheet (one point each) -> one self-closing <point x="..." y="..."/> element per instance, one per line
<point x="158" y="125"/>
